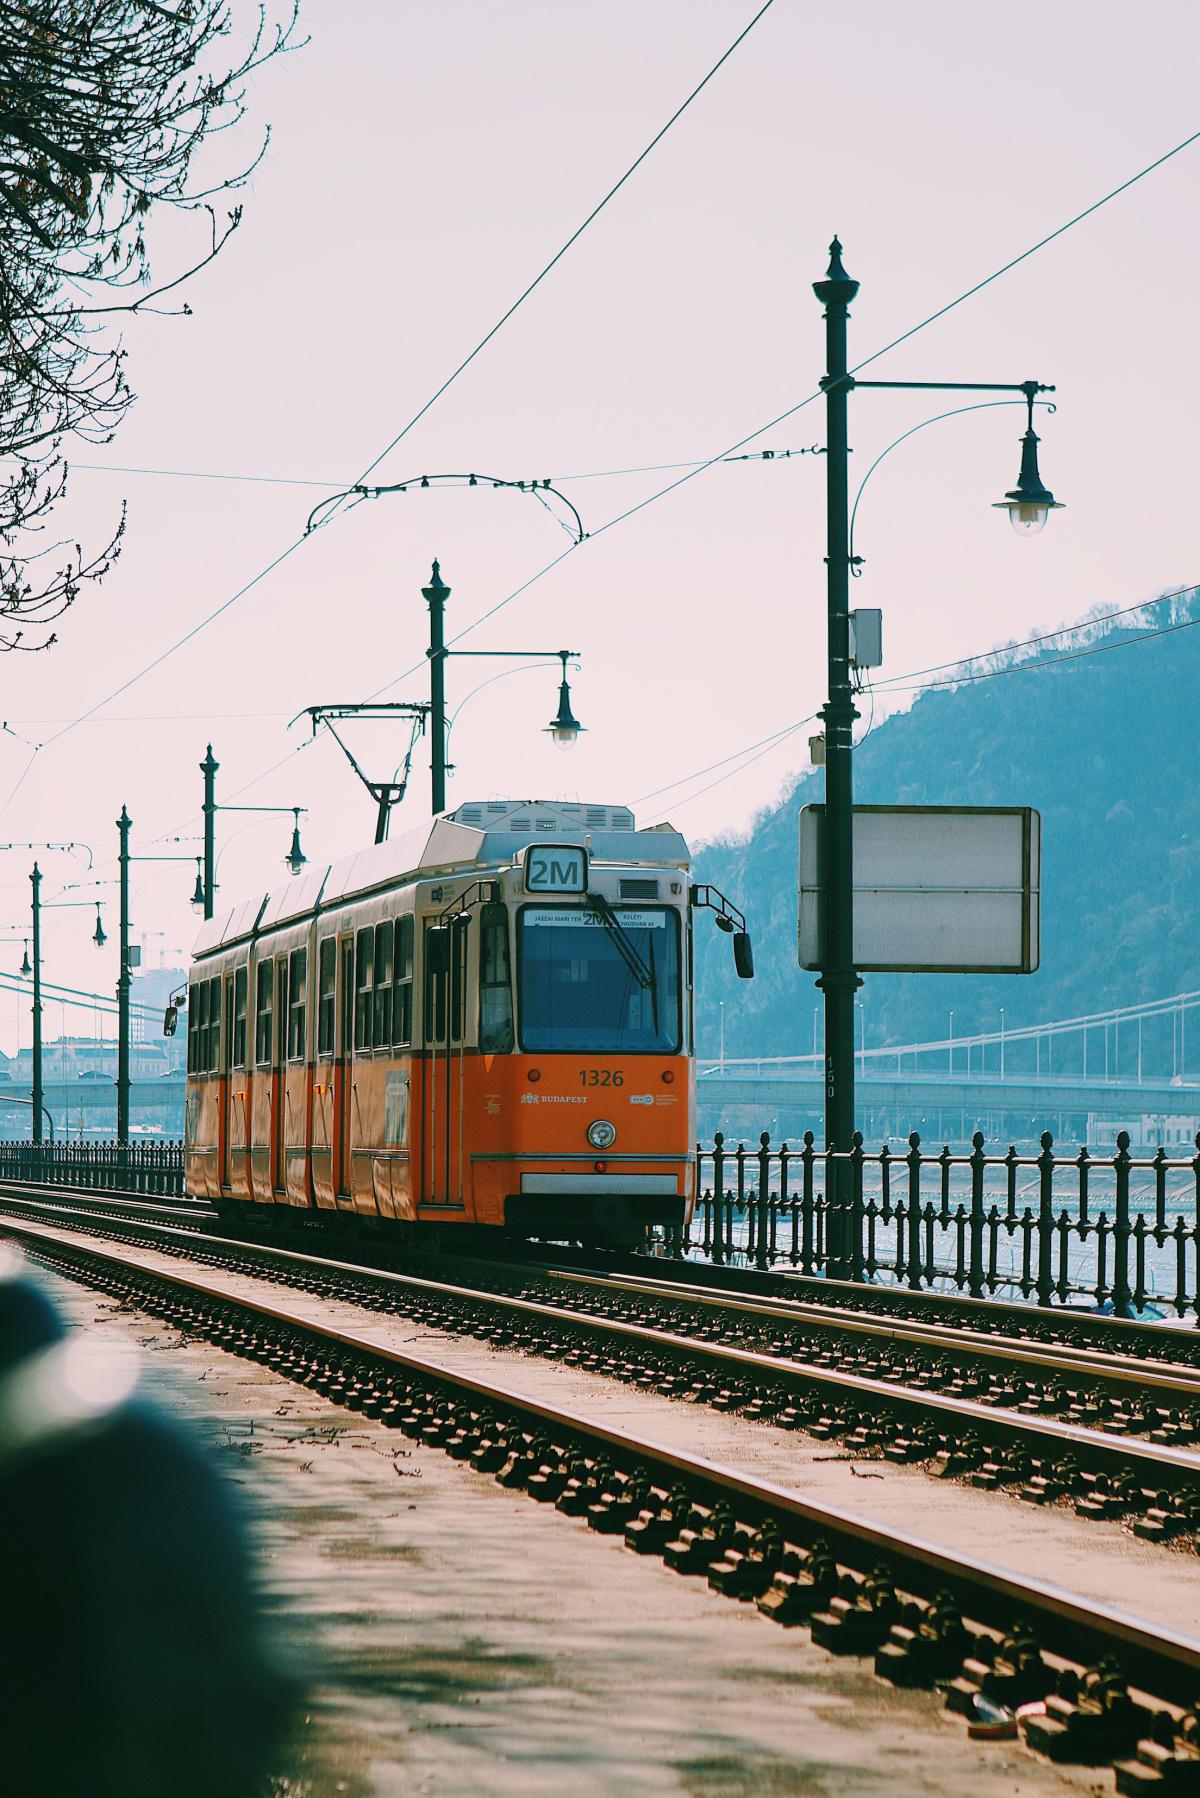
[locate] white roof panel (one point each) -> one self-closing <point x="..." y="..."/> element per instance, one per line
<point x="299" y="896"/>
<point x="495" y="833"/>
<point x="236" y="923"/>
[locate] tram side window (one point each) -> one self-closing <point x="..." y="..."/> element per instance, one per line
<point x="363" y="995"/>
<point x="212" y="1059"/>
<point x="199" y="1019"/>
<point x="326" y="994"/>
<point x="297" y="1003"/>
<point x="381" y="1034"/>
<point x="402" y="1004"/>
<point x="264" y="1012"/>
<point x="495" y="983"/>
<point x="193" y="1027"/>
<point x="240" y="1001"/>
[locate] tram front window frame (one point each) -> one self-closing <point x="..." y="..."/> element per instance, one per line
<point x="541" y="1034"/>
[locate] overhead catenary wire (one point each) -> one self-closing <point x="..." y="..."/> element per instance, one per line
<point x="781" y="417"/>
<point x="1031" y="664"/>
<point x="592" y="216"/>
<point x="1066" y="630"/>
<point x="596" y="474"/>
<point x="689" y="475"/>
<point x="77" y="997"/>
<point x="400" y="435"/>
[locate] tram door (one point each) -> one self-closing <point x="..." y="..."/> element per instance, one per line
<point x="225" y="1089"/>
<point x="279" y="1073"/>
<point x="343" y="1070"/>
<point x="442" y="1147"/>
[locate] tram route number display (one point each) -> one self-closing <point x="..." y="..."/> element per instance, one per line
<point x="555" y="868"/>
<point x="571" y="918"/>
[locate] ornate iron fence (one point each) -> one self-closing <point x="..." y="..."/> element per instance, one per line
<point x="144" y="1168"/>
<point x="1119" y="1229"/>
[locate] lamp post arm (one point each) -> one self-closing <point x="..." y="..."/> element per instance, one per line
<point x="571" y="655"/>
<point x="1026" y="387"/>
<point x="42" y="1112"/>
<point x="289" y="809"/>
<point x="956" y="412"/>
<point x="504" y="674"/>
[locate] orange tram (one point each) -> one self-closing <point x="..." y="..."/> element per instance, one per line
<point x="487" y="1022"/>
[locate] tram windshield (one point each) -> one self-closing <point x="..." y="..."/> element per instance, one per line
<point x="579" y="992"/>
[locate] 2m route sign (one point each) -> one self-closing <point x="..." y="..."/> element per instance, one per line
<point x="938" y="889"/>
<point x="555" y="868"/>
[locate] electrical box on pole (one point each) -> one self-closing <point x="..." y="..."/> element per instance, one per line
<point x="866" y="638"/>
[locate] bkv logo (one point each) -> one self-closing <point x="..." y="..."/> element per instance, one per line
<point x="641" y="1098"/>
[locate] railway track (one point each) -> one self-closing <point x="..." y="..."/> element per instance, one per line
<point x="1091" y="1684"/>
<point x="84" y="1202"/>
<point x="1062" y="1327"/>
<point x="1109" y="1437"/>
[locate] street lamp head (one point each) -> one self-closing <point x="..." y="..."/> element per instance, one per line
<point x="1030" y="503"/>
<point x="295" y="860"/>
<point x="26" y="967"/>
<point x="98" y="935"/>
<point x="564" y="728"/>
<point x="198" y="890"/>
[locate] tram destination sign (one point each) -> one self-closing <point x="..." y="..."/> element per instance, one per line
<point x="556" y="868"/>
<point x="938" y="889"/>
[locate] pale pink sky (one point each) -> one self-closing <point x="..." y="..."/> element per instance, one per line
<point x="425" y="163"/>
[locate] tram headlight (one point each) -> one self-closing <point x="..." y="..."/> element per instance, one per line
<point x="601" y="1134"/>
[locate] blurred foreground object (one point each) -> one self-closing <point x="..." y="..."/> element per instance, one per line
<point x="135" y="1659"/>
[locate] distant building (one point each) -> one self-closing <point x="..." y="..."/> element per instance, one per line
<point x="1175" y="1133"/>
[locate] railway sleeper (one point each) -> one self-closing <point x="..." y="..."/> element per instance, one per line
<point x="1153" y="1516"/>
<point x="985" y="1384"/>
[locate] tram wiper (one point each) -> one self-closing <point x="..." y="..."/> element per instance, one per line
<point x="625" y="946"/>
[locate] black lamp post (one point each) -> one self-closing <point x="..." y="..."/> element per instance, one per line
<point x="124" y="825"/>
<point x="1028" y="506"/>
<point x="205" y="891"/>
<point x="98" y="937"/>
<point x="564" y="728"/>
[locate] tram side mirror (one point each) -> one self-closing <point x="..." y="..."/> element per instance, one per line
<point x="437" y="949"/>
<point x="743" y="955"/>
<point x="171" y="1020"/>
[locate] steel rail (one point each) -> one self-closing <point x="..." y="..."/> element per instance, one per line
<point x="1161" y="1665"/>
<point x="1155" y="1469"/>
<point x="1183" y="1379"/>
<point x="1178" y="1380"/>
<point x="1058" y="1325"/>
<point x="96" y="1202"/>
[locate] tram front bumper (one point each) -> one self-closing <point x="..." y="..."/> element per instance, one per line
<point x="566" y="1205"/>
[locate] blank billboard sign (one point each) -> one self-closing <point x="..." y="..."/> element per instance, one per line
<point x="937" y="889"/>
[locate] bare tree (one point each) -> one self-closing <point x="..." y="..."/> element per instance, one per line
<point x="104" y="108"/>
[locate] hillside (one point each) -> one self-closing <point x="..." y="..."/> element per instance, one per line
<point x="1104" y="745"/>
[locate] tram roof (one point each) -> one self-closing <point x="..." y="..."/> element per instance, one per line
<point x="478" y="834"/>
